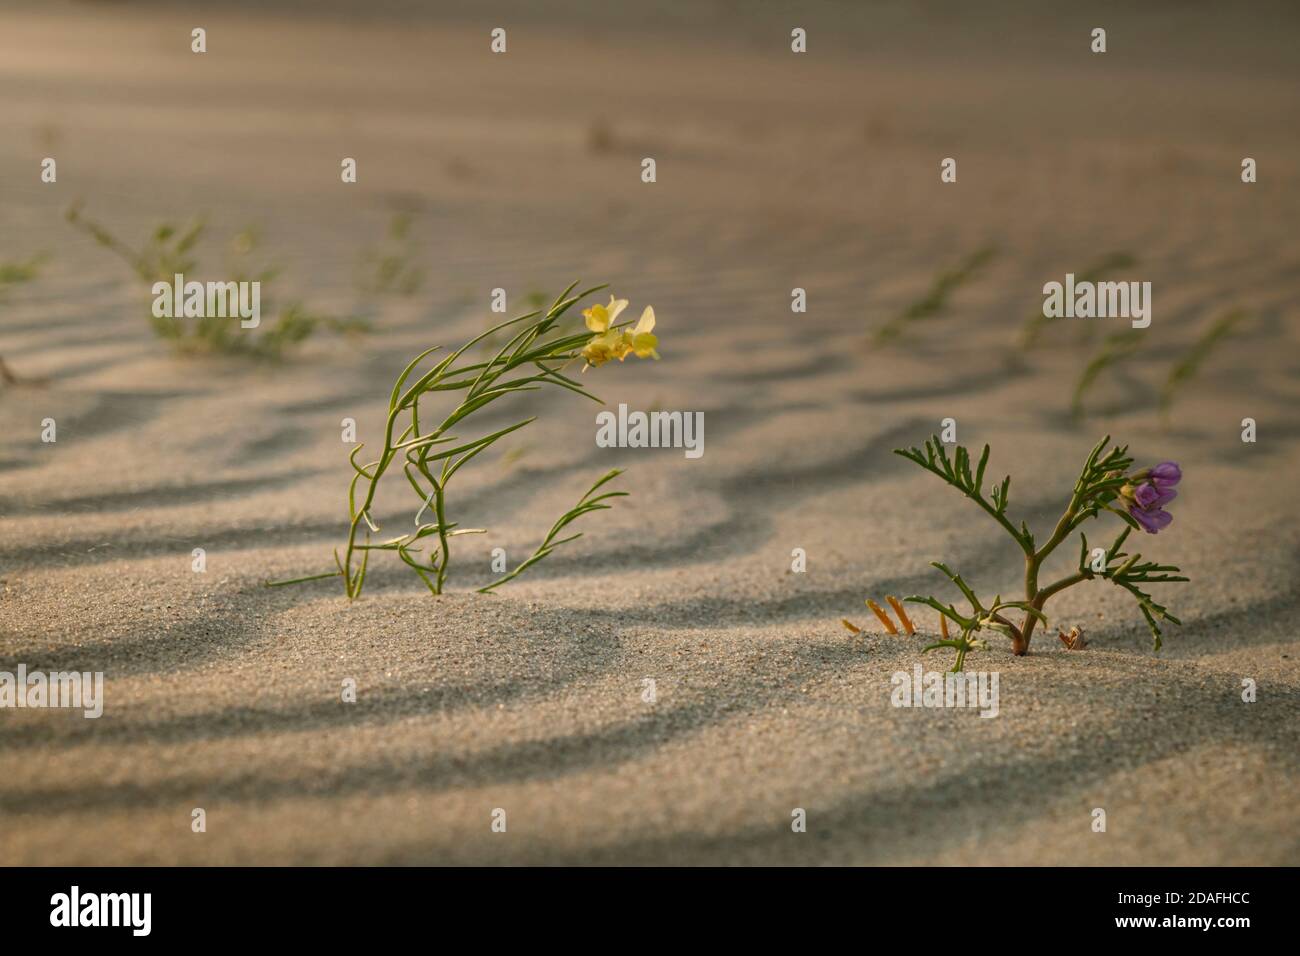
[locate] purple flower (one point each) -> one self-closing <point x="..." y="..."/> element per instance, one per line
<point x="1148" y="492"/>
<point x="1150" y="496"/>
<point x="1151" y="521"/>
<point x="1166" y="474"/>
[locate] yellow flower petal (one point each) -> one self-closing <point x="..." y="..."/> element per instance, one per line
<point x="614" y="308"/>
<point x="597" y="318"/>
<point x="608" y="345"/>
<point x="643" y="343"/>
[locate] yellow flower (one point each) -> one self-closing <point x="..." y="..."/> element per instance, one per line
<point x="641" y="340"/>
<point x="601" y="317"/>
<point x="602" y="348"/>
<point x="611" y="343"/>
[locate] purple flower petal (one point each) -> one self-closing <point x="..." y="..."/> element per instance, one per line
<point x="1166" y="495"/>
<point x="1151" y="521"/>
<point x="1166" y="474"/>
<point x="1145" y="495"/>
<point x="1150" y="497"/>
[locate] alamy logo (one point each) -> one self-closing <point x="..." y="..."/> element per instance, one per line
<point x="103" y="909"/>
<point x="211" y="300"/>
<point x="924" y="688"/>
<point x="72" y="689"/>
<point x="1086" y="300"/>
<point x="651" y="430"/>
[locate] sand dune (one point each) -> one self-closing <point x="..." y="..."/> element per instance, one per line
<point x="773" y="172"/>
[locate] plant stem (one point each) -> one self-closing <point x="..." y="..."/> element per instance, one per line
<point x="310" y="577"/>
<point x="1038" y="599"/>
<point x="442" y="532"/>
<point x="1002" y="519"/>
<point x="1034" y="561"/>
<point x="356" y="521"/>
<point x="1061" y="585"/>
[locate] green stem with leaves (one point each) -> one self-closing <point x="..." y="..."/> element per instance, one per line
<point x="1098" y="486"/>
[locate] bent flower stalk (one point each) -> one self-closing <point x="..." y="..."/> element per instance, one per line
<point x="1106" y="483"/>
<point x="429" y="454"/>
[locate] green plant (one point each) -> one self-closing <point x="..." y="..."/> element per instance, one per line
<point x="934" y="301"/>
<point x="1117" y="347"/>
<point x="429" y="455"/>
<point x="1105" y="484"/>
<point x="1190" y="364"/>
<point x="22" y="270"/>
<point x="534" y="300"/>
<point x="1036" y="321"/>
<point x="169" y="251"/>
<point x="390" y="268"/>
<point x="12" y="274"/>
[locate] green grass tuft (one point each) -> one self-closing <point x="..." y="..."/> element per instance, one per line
<point x="1187" y="368"/>
<point x="1036" y="322"/>
<point x="936" y="299"/>
<point x="170" y="249"/>
<point x="1115" y="349"/>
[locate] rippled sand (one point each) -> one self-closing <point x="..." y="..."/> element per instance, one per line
<point x="774" y="171"/>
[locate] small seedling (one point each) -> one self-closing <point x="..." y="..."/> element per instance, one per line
<point x="12" y="274"/>
<point x="1115" y="349"/>
<point x="1036" y="322"/>
<point x="1105" y="484"/>
<point x="934" y="301"/>
<point x="1190" y="364"/>
<point x="961" y="645"/>
<point x="169" y="251"/>
<point x="429" y="455"/>
<point x="390" y="269"/>
<point x="23" y="270"/>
